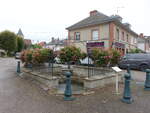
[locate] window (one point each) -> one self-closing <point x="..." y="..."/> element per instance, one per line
<point x="123" y="36"/>
<point x="77" y="36"/>
<point x="132" y="40"/>
<point x="135" y="40"/>
<point x="117" y="34"/>
<point x="127" y="51"/>
<point x="127" y="38"/>
<point x="95" y="35"/>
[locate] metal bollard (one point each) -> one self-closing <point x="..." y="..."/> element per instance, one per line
<point x="30" y="66"/>
<point x="68" y="90"/>
<point x="18" y="67"/>
<point x="147" y="81"/>
<point x="49" y="64"/>
<point x="128" y="70"/>
<point x="127" y="91"/>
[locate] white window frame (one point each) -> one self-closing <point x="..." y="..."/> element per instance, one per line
<point x="95" y="35"/>
<point x="127" y="38"/>
<point x="77" y="35"/>
<point x="117" y="33"/>
<point x="123" y="36"/>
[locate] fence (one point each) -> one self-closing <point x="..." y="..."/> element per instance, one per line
<point x="85" y="71"/>
<point x="45" y="69"/>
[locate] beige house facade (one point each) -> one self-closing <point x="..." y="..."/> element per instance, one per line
<point x="104" y="32"/>
<point x="144" y="43"/>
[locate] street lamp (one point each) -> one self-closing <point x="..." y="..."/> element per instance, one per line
<point x="88" y="54"/>
<point x="88" y="58"/>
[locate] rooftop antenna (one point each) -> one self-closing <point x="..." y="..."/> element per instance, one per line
<point x="118" y="9"/>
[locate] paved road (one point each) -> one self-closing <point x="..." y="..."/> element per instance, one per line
<point x="137" y="76"/>
<point x="23" y="96"/>
<point x="19" y="95"/>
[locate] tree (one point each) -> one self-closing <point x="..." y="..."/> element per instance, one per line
<point x="105" y="57"/>
<point x="100" y="57"/>
<point x="70" y="54"/>
<point x="34" y="46"/>
<point x="20" y="44"/>
<point x="8" y="41"/>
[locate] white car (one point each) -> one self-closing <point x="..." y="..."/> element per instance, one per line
<point x="57" y="60"/>
<point x="18" y="55"/>
<point x="86" y="61"/>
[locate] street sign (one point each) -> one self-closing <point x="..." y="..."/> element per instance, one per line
<point x="116" y="69"/>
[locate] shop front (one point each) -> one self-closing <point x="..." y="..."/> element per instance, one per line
<point x="120" y="47"/>
<point x="91" y="45"/>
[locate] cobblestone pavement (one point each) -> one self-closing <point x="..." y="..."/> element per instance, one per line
<point x="19" y="95"/>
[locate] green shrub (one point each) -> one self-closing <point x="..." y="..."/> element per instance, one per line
<point x="28" y="56"/>
<point x="47" y="55"/>
<point x="115" y="57"/>
<point x="70" y="54"/>
<point x="83" y="55"/>
<point x="100" y="57"/>
<point x="105" y="57"/>
<point x="36" y="56"/>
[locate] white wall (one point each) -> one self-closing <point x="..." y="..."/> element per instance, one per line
<point x="141" y="46"/>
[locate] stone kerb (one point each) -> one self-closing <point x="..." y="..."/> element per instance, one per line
<point x="100" y="81"/>
<point x="51" y="82"/>
<point x="101" y="76"/>
<point x="82" y="71"/>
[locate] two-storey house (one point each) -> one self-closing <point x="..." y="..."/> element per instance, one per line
<point x="102" y="31"/>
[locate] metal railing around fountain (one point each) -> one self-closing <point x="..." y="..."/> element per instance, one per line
<point x="45" y="69"/>
<point x="91" y="71"/>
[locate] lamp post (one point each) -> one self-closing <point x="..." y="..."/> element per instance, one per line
<point x="88" y="65"/>
<point x="88" y="59"/>
<point x="52" y="61"/>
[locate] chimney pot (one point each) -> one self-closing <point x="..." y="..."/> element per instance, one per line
<point x="93" y="13"/>
<point x="141" y="35"/>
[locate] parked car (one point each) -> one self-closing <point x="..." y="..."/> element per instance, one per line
<point x="86" y="61"/>
<point x="57" y="60"/>
<point x="138" y="61"/>
<point x="18" y="55"/>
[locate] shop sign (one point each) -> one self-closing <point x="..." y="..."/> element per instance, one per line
<point x="119" y="45"/>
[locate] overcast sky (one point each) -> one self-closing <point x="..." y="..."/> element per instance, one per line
<point x="43" y="19"/>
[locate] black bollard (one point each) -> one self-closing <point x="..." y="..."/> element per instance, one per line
<point x="18" y="67"/>
<point x="127" y="91"/>
<point x="147" y="81"/>
<point x="68" y="90"/>
<point x="30" y="66"/>
<point x="129" y="71"/>
<point x="49" y="64"/>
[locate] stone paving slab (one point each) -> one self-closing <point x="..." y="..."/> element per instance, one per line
<point x="23" y="95"/>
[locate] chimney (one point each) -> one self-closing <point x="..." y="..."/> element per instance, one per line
<point x="93" y="13"/>
<point x="52" y="39"/>
<point x="141" y="35"/>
